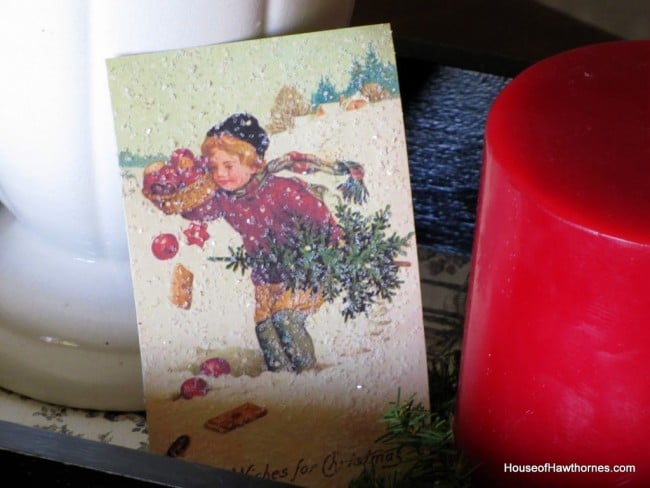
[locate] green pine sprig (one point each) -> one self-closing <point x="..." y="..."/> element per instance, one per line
<point x="424" y="436"/>
<point x="237" y="260"/>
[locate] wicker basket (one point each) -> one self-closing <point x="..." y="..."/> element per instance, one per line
<point x="186" y="198"/>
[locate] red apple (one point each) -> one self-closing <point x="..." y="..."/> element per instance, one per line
<point x="214" y="367"/>
<point x="193" y="387"/>
<point x="182" y="158"/>
<point x="150" y="182"/>
<point x="164" y="246"/>
<point x="163" y="181"/>
<point x="169" y="173"/>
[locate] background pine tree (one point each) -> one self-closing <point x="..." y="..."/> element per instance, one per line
<point x="325" y="93"/>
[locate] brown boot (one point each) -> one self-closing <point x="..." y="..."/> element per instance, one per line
<point x="272" y="349"/>
<point x="296" y="341"/>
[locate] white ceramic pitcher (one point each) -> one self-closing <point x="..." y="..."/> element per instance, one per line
<point x="68" y="331"/>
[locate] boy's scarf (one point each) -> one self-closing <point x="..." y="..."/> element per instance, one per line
<point x="353" y="189"/>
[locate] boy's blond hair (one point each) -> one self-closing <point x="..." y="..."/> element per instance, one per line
<point x="245" y="151"/>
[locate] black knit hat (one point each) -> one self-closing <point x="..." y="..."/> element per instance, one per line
<point x="245" y="127"/>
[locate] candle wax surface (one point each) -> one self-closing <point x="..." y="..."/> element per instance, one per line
<point x="573" y="132"/>
<point x="555" y="365"/>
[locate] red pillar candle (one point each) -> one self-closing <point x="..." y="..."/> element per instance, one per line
<point x="555" y="370"/>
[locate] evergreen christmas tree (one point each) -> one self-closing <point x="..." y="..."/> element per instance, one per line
<point x="389" y="79"/>
<point x="325" y="93"/>
<point x="360" y="269"/>
<point x="372" y="71"/>
<point x="356" y="79"/>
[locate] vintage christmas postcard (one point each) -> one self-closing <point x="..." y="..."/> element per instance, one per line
<point x="267" y="195"/>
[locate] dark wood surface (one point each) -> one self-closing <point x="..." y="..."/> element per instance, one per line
<point x="36" y="457"/>
<point x="496" y="36"/>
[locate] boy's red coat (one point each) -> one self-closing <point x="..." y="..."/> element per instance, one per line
<point x="266" y="206"/>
